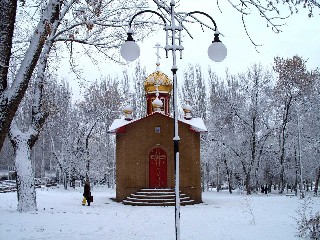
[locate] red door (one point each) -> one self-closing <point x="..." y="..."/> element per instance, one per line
<point x="157" y="168"/>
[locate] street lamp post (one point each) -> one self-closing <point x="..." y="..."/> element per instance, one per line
<point x="216" y="52"/>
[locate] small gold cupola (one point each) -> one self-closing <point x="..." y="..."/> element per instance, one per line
<point x="187" y="112"/>
<point x="127" y="112"/>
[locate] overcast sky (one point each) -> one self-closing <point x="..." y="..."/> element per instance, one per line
<point x="300" y="35"/>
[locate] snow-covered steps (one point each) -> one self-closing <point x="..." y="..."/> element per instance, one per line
<point x="156" y="197"/>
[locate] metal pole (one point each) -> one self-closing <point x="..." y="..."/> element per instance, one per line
<point x="176" y="137"/>
<point x="176" y="156"/>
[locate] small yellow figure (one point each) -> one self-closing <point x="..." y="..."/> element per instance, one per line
<point x="84" y="200"/>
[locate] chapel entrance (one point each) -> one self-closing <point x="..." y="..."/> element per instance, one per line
<point x="157" y="168"/>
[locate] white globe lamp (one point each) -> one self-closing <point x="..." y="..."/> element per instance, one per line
<point x="217" y="51"/>
<point x="130" y="50"/>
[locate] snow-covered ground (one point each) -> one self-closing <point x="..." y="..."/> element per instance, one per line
<point x="222" y="216"/>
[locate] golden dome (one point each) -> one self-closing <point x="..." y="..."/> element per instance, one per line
<point x="158" y="77"/>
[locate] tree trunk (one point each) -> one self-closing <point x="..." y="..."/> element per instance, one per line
<point x="282" y="182"/>
<point x="207" y="176"/>
<point x="8" y="17"/>
<point x="230" y="181"/>
<point x="25" y="173"/>
<point x="229" y="174"/>
<point x="247" y="174"/>
<point x="202" y="178"/>
<point x="65" y="181"/>
<point x="23" y="142"/>
<point x="247" y="183"/>
<point x="218" y="178"/>
<point x="316" y="185"/>
<point x="283" y="141"/>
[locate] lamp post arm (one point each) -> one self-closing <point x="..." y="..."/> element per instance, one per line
<point x="205" y="14"/>
<point x="185" y="15"/>
<point x="146" y="11"/>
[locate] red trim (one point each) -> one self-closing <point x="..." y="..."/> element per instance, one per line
<point x="121" y="129"/>
<point x="191" y="129"/>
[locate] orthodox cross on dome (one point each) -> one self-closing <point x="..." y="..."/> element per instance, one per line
<point x="158" y="46"/>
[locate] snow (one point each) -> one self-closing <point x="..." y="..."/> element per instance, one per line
<point x="118" y="123"/>
<point x="187" y="107"/>
<point x="196" y="124"/>
<point x="128" y="108"/>
<point x="222" y="216"/>
<point x="157" y="102"/>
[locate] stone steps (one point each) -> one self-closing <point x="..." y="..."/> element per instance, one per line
<point x="156" y="197"/>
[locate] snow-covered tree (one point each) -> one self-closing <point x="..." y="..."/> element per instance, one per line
<point x="95" y="147"/>
<point x="293" y="82"/>
<point x="222" y="149"/>
<point x="60" y="130"/>
<point x="239" y="123"/>
<point x="194" y="91"/>
<point x="23" y="139"/>
<point x="11" y="95"/>
<point x="91" y="23"/>
<point x="138" y="94"/>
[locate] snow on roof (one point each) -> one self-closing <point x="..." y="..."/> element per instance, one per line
<point x="118" y="123"/>
<point x="196" y="124"/>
